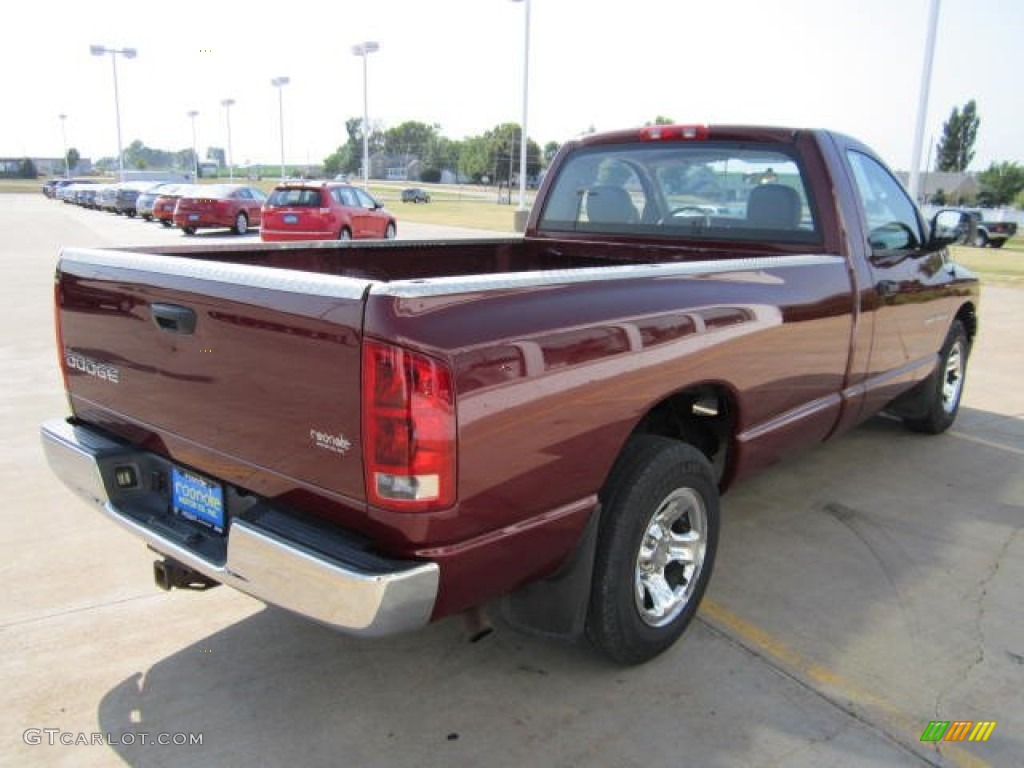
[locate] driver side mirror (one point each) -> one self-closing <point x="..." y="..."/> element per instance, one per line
<point x="947" y="228"/>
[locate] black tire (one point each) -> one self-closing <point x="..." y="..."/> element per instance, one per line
<point x="945" y="387"/>
<point x="189" y="230"/>
<point x="997" y="243"/>
<point x="655" y="481"/>
<point x="241" y="224"/>
<point x="165" y="222"/>
<point x="980" y="240"/>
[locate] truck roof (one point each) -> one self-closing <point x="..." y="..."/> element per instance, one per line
<point x="694" y="132"/>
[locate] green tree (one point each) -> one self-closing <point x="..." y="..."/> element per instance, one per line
<point x="959" y="132"/>
<point x="446" y="154"/>
<point x="501" y="145"/>
<point x="349" y="156"/>
<point x="412" y="138"/>
<point x="73" y="158"/>
<point x="550" y="150"/>
<point x="474" y="159"/>
<point x="662" y="120"/>
<point x="27" y="169"/>
<point x="138" y="155"/>
<point x="1000" y="183"/>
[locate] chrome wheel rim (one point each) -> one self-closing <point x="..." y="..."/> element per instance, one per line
<point x="953" y="378"/>
<point x="671" y="557"/>
<point x="241" y="224"/>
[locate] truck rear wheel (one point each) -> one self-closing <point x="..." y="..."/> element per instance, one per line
<point x="946" y="385"/>
<point x="655" y="550"/>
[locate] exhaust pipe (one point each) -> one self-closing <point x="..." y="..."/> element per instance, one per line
<point x="475" y="625"/>
<point x="169" y="573"/>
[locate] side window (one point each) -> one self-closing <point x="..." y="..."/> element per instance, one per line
<point x="346" y="196"/>
<point x="892" y="218"/>
<point x="365" y="201"/>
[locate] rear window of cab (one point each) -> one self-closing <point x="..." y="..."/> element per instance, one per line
<point x="295" y="198"/>
<point x="711" y="190"/>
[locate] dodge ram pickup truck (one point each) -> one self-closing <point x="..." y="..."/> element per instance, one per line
<point x="971" y="228"/>
<point x="381" y="435"/>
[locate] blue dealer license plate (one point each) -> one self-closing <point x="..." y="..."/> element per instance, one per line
<point x="196" y="498"/>
<point x="291" y="218"/>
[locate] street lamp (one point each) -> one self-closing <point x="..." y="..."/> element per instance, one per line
<point x="526" y="101"/>
<point x="227" y="103"/>
<point x="364" y="50"/>
<point x="195" y="152"/>
<point x="128" y="53"/>
<point x="922" y="101"/>
<point x="64" y="136"/>
<point x="280" y="83"/>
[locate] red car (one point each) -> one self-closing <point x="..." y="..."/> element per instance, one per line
<point x="219" y="205"/>
<point x="324" y="211"/>
<point x="163" y="206"/>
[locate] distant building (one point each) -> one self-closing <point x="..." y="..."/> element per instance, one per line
<point x="957" y="187"/>
<point x="395" y="167"/>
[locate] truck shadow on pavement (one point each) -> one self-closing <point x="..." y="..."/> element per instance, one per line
<point x="862" y="590"/>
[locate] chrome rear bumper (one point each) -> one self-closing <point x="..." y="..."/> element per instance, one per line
<point x="374" y="598"/>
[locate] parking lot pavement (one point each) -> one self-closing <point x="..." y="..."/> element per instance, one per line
<point x="862" y="590"/>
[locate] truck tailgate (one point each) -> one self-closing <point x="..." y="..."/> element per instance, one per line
<point x="247" y="373"/>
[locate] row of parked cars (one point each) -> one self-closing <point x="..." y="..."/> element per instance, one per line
<point x="300" y="210"/>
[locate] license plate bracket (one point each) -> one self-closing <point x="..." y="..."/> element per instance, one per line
<point x="198" y="499"/>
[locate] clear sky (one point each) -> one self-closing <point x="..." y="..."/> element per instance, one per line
<point x="851" y="66"/>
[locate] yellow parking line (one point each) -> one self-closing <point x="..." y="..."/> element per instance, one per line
<point x="987" y="443"/>
<point x="763" y="643"/>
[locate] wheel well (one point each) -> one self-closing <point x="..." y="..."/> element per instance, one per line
<point x="968" y="316"/>
<point x="703" y="416"/>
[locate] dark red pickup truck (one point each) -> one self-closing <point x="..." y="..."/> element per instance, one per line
<point x="382" y="435"/>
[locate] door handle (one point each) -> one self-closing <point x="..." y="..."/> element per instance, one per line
<point x="173" y="318"/>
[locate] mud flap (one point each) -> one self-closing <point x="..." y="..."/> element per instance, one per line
<point x="556" y="607"/>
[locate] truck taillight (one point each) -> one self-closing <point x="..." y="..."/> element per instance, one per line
<point x="408" y="429"/>
<point x="674" y="132"/>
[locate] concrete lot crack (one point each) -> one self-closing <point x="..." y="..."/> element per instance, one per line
<point x="844" y="708"/>
<point x="76" y="609"/>
<point x="979" y="625"/>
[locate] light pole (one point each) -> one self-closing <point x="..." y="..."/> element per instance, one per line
<point x="526" y="102"/>
<point x="128" y="53"/>
<point x="195" y="152"/>
<point x="922" y="101"/>
<point x="226" y="103"/>
<point x="280" y="83"/>
<point x="64" y="136"/>
<point x="365" y="49"/>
